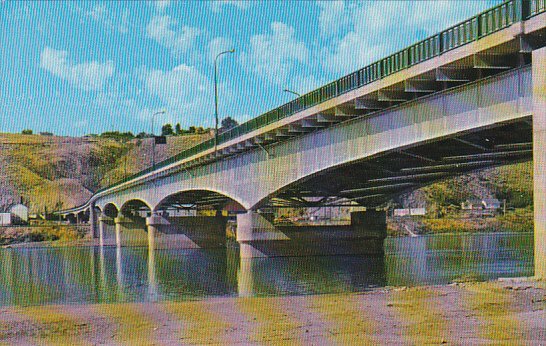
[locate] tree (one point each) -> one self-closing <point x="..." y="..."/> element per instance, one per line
<point x="228" y="123"/>
<point x="192" y="129"/>
<point x="27" y="132"/>
<point x="167" y="130"/>
<point x="120" y="136"/>
<point x="178" y="129"/>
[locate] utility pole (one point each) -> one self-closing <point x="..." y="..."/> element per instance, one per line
<point x="153" y="136"/>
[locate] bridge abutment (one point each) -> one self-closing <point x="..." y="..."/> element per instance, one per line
<point x="259" y="237"/>
<point x="539" y="159"/>
<point x="186" y="232"/>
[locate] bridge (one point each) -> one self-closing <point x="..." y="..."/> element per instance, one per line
<point x="470" y="97"/>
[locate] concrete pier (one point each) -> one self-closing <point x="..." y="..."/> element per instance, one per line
<point x="107" y="231"/>
<point x="93" y="221"/>
<point x="258" y="237"/>
<point x="539" y="159"/>
<point x="130" y="231"/>
<point x="187" y="232"/>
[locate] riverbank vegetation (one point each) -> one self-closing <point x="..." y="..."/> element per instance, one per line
<point x="21" y="234"/>
<point x="518" y="220"/>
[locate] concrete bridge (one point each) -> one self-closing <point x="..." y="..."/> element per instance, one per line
<point x="468" y="98"/>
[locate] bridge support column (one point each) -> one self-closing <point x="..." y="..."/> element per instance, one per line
<point x="539" y="159"/>
<point x="130" y="231"/>
<point x="187" y="232"/>
<point x="93" y="221"/>
<point x="107" y="232"/>
<point x="258" y="237"/>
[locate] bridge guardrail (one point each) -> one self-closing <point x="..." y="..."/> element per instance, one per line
<point x="537" y="7"/>
<point x="479" y="26"/>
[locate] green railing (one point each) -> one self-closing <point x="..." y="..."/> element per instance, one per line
<point x="483" y="24"/>
<point x="536" y="7"/>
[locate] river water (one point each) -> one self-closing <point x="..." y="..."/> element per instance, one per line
<point x="93" y="274"/>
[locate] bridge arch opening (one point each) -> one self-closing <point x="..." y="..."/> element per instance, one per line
<point x="198" y="202"/>
<point x="136" y="208"/>
<point x="111" y="210"/>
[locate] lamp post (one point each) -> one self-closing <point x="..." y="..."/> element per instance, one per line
<point x="216" y="95"/>
<point x="292" y="92"/>
<point x="153" y="136"/>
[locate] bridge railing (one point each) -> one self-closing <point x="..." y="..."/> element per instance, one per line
<point x="480" y="25"/>
<point x="537" y="7"/>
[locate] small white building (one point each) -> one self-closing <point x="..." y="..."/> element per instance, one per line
<point x="491" y="204"/>
<point x="5" y="219"/>
<point x="472" y="204"/>
<point x="409" y="212"/>
<point x="16" y="214"/>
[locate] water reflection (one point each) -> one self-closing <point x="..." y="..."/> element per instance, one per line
<point x="113" y="274"/>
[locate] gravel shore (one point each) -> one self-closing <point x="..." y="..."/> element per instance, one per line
<point x="499" y="312"/>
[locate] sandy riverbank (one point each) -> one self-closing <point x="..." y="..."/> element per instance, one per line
<point x="502" y="312"/>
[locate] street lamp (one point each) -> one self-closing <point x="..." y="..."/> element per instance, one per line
<point x="153" y="136"/>
<point x="292" y="92"/>
<point x="216" y="95"/>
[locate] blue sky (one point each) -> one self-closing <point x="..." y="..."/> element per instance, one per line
<point x="74" y="68"/>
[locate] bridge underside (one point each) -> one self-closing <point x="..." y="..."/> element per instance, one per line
<point x="376" y="180"/>
<point x="198" y="200"/>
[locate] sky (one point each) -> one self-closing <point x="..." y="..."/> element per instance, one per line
<point x="75" y="68"/>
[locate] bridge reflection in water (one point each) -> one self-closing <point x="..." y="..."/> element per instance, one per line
<point x="110" y="274"/>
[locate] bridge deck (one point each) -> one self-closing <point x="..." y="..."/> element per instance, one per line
<point x="491" y="42"/>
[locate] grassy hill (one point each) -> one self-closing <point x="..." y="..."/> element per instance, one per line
<point x="51" y="172"/>
<point x="511" y="182"/>
<point x="139" y="155"/>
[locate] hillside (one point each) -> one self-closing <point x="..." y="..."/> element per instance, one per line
<point x="51" y="172"/>
<point x="511" y="182"/>
<point x="139" y="155"/>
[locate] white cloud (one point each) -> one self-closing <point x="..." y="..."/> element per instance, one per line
<point x="98" y="12"/>
<point x="88" y="76"/>
<point x="101" y="14"/>
<point x="218" y="45"/>
<point x="183" y="90"/>
<point x="161" y="5"/>
<point x="218" y="5"/>
<point x="275" y="56"/>
<point x="373" y="29"/>
<point x="161" y="29"/>
<point x="333" y="17"/>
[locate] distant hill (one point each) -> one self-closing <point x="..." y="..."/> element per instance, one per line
<point x="511" y="182"/>
<point x="49" y="172"/>
<point x="139" y="155"/>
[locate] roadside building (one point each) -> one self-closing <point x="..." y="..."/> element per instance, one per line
<point x="481" y="207"/>
<point x="15" y="214"/>
<point x="472" y="204"/>
<point x="410" y="212"/>
<point x="491" y="204"/>
<point x="5" y="219"/>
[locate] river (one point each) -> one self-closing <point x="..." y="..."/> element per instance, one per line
<point x="38" y="276"/>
